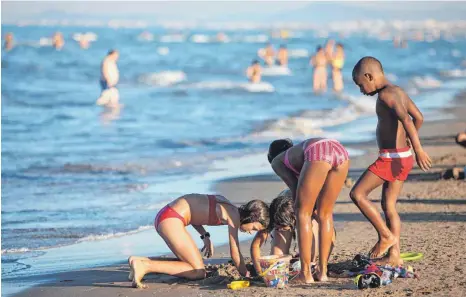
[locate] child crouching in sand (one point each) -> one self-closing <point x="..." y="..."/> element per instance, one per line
<point x="315" y="171"/>
<point x="198" y="210"/>
<point x="282" y="229"/>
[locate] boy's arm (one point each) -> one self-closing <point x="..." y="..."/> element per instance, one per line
<point x="393" y="101"/>
<point x="416" y="114"/>
<point x="286" y="175"/>
<point x="256" y="244"/>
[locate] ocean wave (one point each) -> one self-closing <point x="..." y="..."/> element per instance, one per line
<point x="200" y="38"/>
<point x="173" y="38"/>
<point x="89" y="36"/>
<point x="17" y="250"/>
<point x="275" y="71"/>
<point x="298" y="53"/>
<point x="163" y="50"/>
<point x="93" y="237"/>
<point x="425" y="82"/>
<point x="310" y="122"/>
<point x="229" y="85"/>
<point x="454" y="73"/>
<point x="255" y="38"/>
<point x="99" y="237"/>
<point x="163" y="79"/>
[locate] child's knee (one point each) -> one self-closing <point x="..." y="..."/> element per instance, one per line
<point x="389" y="208"/>
<point x="357" y="196"/>
<point x="325" y="216"/>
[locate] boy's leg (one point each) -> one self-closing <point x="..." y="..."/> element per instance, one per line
<point x="366" y="184"/>
<point x="390" y="193"/>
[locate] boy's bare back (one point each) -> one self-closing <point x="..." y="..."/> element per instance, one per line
<point x="390" y="131"/>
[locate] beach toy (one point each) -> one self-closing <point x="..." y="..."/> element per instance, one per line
<point x="275" y="270"/>
<point x="238" y="285"/>
<point x="411" y="256"/>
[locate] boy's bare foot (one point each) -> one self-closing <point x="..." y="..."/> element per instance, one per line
<point x="303" y="278"/>
<point x="382" y="246"/>
<point x="390" y="259"/>
<point x="137" y="266"/>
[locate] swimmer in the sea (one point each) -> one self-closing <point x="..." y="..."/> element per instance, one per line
<point x="109" y="79"/>
<point x="254" y="72"/>
<point x="267" y="54"/>
<point x="57" y="41"/>
<point x="84" y="42"/>
<point x="329" y="48"/>
<point x="282" y="56"/>
<point x="319" y="62"/>
<point x="8" y="45"/>
<point x="338" y="60"/>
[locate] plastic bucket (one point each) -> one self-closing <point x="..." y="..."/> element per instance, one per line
<point x="275" y="270"/>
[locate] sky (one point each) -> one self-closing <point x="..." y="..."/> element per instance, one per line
<point x="220" y="10"/>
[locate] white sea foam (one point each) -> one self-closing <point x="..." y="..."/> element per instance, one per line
<point x="256" y="38"/>
<point x="163" y="50"/>
<point x="298" y="53"/>
<point x="425" y="82"/>
<point x="454" y="73"/>
<point x="97" y="237"/>
<point x="312" y="122"/>
<point x="229" y="85"/>
<point x="275" y="71"/>
<point x="200" y="38"/>
<point x="44" y="41"/>
<point x="173" y="38"/>
<point x="164" y="78"/>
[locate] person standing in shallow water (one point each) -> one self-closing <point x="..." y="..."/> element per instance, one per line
<point x="337" y="62"/>
<point x="254" y="72"/>
<point x="109" y="77"/>
<point x="57" y="41"/>
<point x="319" y="62"/>
<point x="9" y="42"/>
<point x="282" y="56"/>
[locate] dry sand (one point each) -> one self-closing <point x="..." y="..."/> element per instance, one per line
<point x="433" y="213"/>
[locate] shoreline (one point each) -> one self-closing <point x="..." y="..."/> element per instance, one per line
<point x="110" y="279"/>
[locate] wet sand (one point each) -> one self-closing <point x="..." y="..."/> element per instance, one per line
<point x="432" y="209"/>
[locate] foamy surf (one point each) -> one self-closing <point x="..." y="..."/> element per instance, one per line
<point x="454" y="73"/>
<point x="275" y="71"/>
<point x="425" y="82"/>
<point x="310" y="122"/>
<point x="164" y="78"/>
<point x="93" y="237"/>
<point x="298" y="53"/>
<point x="264" y="87"/>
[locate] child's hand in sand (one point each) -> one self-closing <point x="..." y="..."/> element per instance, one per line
<point x="208" y="248"/>
<point x="423" y="160"/>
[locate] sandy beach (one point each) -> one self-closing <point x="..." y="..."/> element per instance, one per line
<point x="432" y="209"/>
